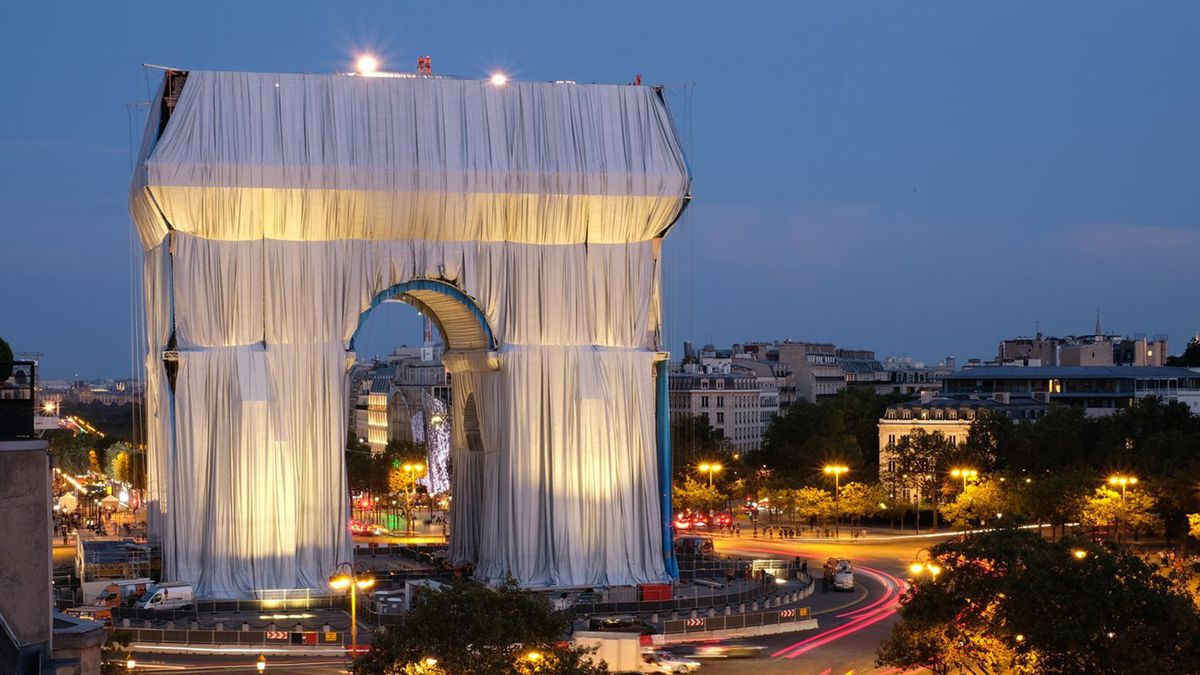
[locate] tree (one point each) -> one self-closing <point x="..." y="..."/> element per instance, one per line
<point x="812" y="503"/>
<point x="980" y="502"/>
<point x="842" y="429"/>
<point x="694" y="440"/>
<point x="693" y="495"/>
<point x="1194" y="525"/>
<point x="114" y="652"/>
<point x="73" y="451"/>
<point x="858" y="500"/>
<point x="921" y="460"/>
<point x="1190" y="357"/>
<point x="1105" y="506"/>
<point x="6" y="360"/>
<point x="1010" y="601"/>
<point x="472" y="629"/>
<point x="119" y="463"/>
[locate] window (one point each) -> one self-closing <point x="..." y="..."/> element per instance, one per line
<point x="704" y="383"/>
<point x="703" y="401"/>
<point x="720" y="418"/>
<point x="720" y="401"/>
<point x="705" y="416"/>
<point x="891" y="439"/>
<point x="720" y="384"/>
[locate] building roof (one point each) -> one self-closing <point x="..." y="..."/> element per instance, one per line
<point x="1072" y="373"/>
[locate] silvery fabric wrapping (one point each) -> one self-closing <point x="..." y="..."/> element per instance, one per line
<point x="274" y="208"/>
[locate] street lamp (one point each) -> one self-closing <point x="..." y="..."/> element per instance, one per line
<point x="929" y="566"/>
<point x="130" y="662"/>
<point x="352" y="579"/>
<point x="710" y="469"/>
<point x="837" y="472"/>
<point x="1124" y="482"/>
<point x="412" y="472"/>
<point x="966" y="474"/>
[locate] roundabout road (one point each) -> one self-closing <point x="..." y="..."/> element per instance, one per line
<point x="851" y="627"/>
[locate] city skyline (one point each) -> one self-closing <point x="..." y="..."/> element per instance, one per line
<point x="921" y="182"/>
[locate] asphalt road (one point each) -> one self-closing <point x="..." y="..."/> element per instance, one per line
<point x="850" y="627"/>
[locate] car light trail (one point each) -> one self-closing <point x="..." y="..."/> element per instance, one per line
<point x="866" y="617"/>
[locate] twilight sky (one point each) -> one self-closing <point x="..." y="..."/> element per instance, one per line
<point x="918" y="179"/>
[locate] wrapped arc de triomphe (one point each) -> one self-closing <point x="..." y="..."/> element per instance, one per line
<point x="276" y="210"/>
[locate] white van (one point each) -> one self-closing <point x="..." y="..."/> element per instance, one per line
<point x="843" y="574"/>
<point x="172" y="595"/>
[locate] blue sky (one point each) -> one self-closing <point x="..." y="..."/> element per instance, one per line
<point x="918" y="179"/>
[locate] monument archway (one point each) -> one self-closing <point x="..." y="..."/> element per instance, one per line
<point x="276" y="209"/>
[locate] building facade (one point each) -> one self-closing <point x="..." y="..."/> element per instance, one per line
<point x="1099" y="390"/>
<point x="730" y="402"/>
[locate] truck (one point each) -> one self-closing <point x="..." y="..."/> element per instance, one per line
<point x="118" y="593"/>
<point x="173" y="595"/>
<point x="624" y="653"/>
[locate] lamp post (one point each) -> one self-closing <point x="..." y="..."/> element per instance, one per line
<point x="837" y="472"/>
<point x="352" y="579"/>
<point x="710" y="469"/>
<point x="1124" y="482"/>
<point x="966" y="474"/>
<point x="929" y="566"/>
<point x="411" y="473"/>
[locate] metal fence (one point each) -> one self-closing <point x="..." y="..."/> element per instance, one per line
<point x="219" y="606"/>
<point x="282" y="638"/>
<point x="735" y="621"/>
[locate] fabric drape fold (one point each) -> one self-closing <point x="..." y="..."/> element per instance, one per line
<point x="276" y="208"/>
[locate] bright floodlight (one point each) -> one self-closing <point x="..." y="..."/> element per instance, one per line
<point x="366" y="64"/>
<point x="499" y="79"/>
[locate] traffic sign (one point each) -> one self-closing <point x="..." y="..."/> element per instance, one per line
<point x="694" y="623"/>
<point x="277" y="635"/>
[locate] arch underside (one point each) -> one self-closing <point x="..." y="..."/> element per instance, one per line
<point x="530" y="239"/>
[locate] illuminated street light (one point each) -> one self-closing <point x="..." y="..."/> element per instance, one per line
<point x="412" y="472"/>
<point x="928" y="566"/>
<point x="1079" y="553"/>
<point x="533" y="657"/>
<point x="130" y="662"/>
<point x="354" y="580"/>
<point x="710" y="469"/>
<point x="836" y="471"/>
<point x="966" y="474"/>
<point x="1124" y="482"/>
<point x="429" y="662"/>
<point x="366" y="64"/>
<point x="499" y="79"/>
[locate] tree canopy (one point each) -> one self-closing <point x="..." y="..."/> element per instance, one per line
<point x="6" y="360"/>
<point x="841" y="429"/>
<point x="1011" y="601"/>
<point x="472" y="629"/>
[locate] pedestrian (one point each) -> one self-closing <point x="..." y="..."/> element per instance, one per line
<point x="804" y="568"/>
<point x="825" y="580"/>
